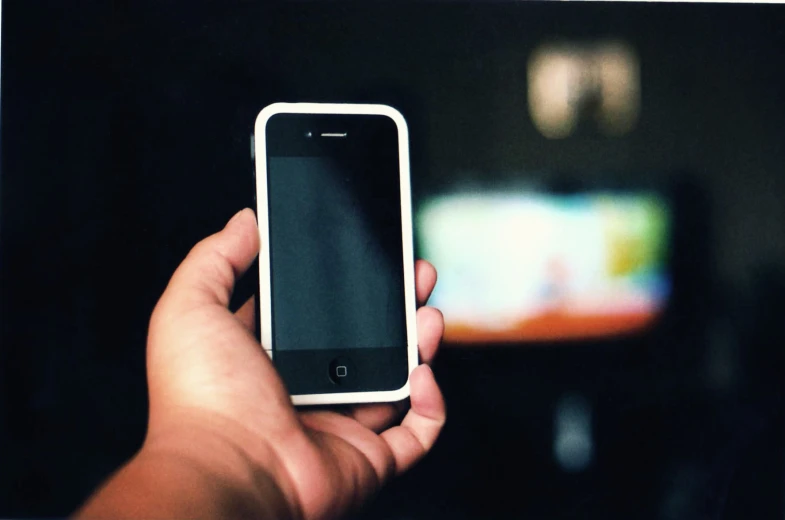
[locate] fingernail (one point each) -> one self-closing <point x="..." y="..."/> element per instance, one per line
<point x="236" y="217"/>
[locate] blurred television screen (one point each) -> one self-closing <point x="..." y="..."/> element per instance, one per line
<point x="531" y="267"/>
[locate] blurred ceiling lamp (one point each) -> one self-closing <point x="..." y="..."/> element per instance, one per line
<point x="570" y="84"/>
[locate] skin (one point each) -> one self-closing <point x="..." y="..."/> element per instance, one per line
<point x="223" y="438"/>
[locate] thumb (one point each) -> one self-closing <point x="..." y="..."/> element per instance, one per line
<point x="207" y="275"/>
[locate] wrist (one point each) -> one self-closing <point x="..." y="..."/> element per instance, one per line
<point x="219" y="455"/>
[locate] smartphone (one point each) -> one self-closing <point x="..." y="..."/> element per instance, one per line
<point x="336" y="269"/>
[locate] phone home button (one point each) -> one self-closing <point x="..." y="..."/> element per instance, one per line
<point x="342" y="371"/>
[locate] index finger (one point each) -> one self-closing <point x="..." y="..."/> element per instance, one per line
<point x="425" y="281"/>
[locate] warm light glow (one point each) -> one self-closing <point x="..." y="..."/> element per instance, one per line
<point x="570" y="84"/>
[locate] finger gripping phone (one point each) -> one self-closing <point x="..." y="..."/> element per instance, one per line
<point x="336" y="268"/>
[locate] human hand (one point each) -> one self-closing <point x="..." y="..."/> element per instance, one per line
<point x="220" y="417"/>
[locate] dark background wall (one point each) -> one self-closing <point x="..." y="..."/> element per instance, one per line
<point x="126" y="138"/>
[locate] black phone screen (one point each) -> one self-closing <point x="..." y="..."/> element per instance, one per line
<point x="336" y="252"/>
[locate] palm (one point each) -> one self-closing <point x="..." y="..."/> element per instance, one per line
<point x="338" y="458"/>
<point x="333" y="459"/>
<point x="205" y="360"/>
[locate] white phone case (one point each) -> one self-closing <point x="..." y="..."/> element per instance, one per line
<point x="406" y="225"/>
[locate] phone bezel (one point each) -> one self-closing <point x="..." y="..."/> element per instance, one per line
<point x="265" y="294"/>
